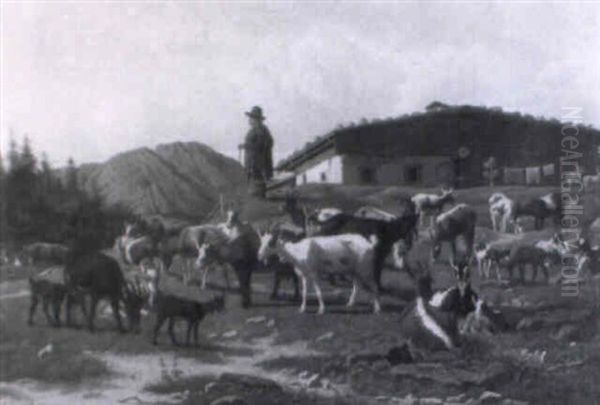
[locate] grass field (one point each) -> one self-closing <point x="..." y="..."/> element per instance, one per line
<point x="270" y="354"/>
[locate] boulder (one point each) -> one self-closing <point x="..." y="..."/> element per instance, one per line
<point x="326" y="336"/>
<point x="489" y="397"/>
<point x="430" y="401"/>
<point x="457" y="398"/>
<point x="230" y="334"/>
<point x="229" y="400"/>
<point x="250" y="381"/>
<point x="256" y="319"/>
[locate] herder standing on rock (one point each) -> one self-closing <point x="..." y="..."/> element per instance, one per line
<point x="258" y="153"/>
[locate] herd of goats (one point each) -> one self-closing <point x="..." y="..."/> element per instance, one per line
<point x="325" y="245"/>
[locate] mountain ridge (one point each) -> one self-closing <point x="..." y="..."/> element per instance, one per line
<point x="179" y="179"/>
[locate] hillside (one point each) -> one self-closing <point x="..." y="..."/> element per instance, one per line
<point x="181" y="180"/>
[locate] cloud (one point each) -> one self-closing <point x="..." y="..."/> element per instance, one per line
<point x="90" y="80"/>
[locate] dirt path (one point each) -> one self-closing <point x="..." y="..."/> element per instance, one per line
<point x="132" y="374"/>
<point x="13" y="289"/>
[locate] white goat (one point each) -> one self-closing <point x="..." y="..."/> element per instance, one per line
<point x="432" y="204"/>
<point x="501" y="209"/>
<point x="553" y="245"/>
<point x="204" y="268"/>
<point x="346" y="253"/>
<point x="487" y="255"/>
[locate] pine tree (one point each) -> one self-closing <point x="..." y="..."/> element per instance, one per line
<point x="21" y="188"/>
<point x="3" y="235"/>
<point x="1" y="166"/>
<point x="46" y="177"/>
<point x="71" y="180"/>
<point x="27" y="159"/>
<point x="13" y="155"/>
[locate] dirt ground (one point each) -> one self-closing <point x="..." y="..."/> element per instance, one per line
<point x="270" y="354"/>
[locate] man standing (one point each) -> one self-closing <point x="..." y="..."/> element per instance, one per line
<point x="258" y="149"/>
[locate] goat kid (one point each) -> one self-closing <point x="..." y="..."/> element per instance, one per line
<point x="490" y="255"/>
<point x="554" y="245"/>
<point x="350" y="254"/>
<point x="432" y="204"/>
<point x="170" y="308"/>
<point x="49" y="288"/>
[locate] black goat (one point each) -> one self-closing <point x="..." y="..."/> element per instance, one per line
<point x="539" y="208"/>
<point x="522" y="255"/>
<point x="426" y="326"/>
<point x="49" y="288"/>
<point x="99" y="276"/>
<point x="459" y="299"/>
<point x="170" y="307"/>
<point x="283" y="271"/>
<point x="387" y="232"/>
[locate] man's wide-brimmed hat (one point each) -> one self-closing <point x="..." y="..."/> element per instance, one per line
<point x="256" y="112"/>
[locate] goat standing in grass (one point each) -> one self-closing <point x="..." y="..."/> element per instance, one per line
<point x="501" y="210"/>
<point x="170" y="307"/>
<point x="432" y="204"/>
<point x="540" y="208"/>
<point x="49" y="288"/>
<point x="388" y="233"/>
<point x="453" y="224"/>
<point x="523" y="255"/>
<point x="489" y="255"/>
<point x="349" y="254"/>
<point x="283" y="270"/>
<point x="239" y="250"/>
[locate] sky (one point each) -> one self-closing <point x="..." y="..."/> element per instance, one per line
<point x="92" y="79"/>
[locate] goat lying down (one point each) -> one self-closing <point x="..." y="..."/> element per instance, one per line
<point x="438" y="320"/>
<point x="349" y="254"/>
<point x="427" y="326"/>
